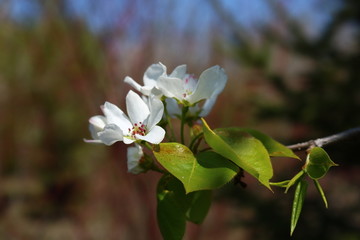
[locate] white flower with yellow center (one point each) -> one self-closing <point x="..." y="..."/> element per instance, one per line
<point x="140" y="125"/>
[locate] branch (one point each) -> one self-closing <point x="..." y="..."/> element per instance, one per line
<point x="321" y="142"/>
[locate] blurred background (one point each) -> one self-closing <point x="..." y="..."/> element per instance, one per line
<point x="294" y="73"/>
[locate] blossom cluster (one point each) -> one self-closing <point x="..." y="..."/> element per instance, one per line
<point x="162" y="95"/>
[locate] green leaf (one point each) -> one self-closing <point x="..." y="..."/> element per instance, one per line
<point x="274" y="148"/>
<point x="206" y="171"/>
<point x="318" y="163"/>
<point x="321" y="191"/>
<point x="298" y="202"/>
<point x="294" y="180"/>
<point x="175" y="207"/>
<point x="199" y="205"/>
<point x="171" y="208"/>
<point x="243" y="149"/>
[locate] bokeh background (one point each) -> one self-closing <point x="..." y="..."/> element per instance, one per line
<point x="294" y="73"/>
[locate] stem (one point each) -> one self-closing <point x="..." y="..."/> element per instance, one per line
<point x="147" y="145"/>
<point x="183" y="116"/>
<point x="205" y="149"/>
<point x="155" y="168"/>
<point x="191" y="146"/>
<point x="280" y="184"/>
<point x="321" y="142"/>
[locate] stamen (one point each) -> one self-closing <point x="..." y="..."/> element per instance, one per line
<point x="138" y="128"/>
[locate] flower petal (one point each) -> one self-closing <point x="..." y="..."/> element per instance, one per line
<point x="92" y="141"/>
<point x="114" y="115"/>
<point x="111" y="134"/>
<point x="128" y="140"/>
<point x="137" y="109"/>
<point x="134" y="155"/>
<point x="206" y="108"/>
<point x="179" y="72"/>
<point x="133" y="83"/>
<point x="172" y="107"/>
<point x="211" y="81"/>
<point x="156" y="92"/>
<point x="156" y="108"/>
<point x="152" y="74"/>
<point x="194" y="110"/>
<point x="171" y="87"/>
<point x="155" y="136"/>
<point x="146" y="90"/>
<point x="96" y="124"/>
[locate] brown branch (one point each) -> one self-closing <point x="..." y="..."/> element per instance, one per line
<point x="321" y="142"/>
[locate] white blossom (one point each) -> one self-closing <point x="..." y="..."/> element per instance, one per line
<point x="150" y="78"/>
<point x="187" y="90"/>
<point x="139" y="125"/>
<point x="134" y="156"/>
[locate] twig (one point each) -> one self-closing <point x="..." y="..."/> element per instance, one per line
<point x="321" y="142"/>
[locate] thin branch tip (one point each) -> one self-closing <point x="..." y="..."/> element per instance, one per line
<point x="321" y="142"/>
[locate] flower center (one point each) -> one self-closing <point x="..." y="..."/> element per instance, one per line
<point x="189" y="85"/>
<point x="138" y="128"/>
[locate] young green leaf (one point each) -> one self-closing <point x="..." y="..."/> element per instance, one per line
<point x="298" y="202"/>
<point x="205" y="171"/>
<point x="318" y="163"/>
<point x="274" y="148"/>
<point x="321" y="191"/>
<point x="243" y="149"/>
<point x="171" y="208"/>
<point x="199" y="205"/>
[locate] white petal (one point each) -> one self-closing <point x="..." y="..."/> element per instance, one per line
<point x="152" y="74"/>
<point x="111" y="134"/>
<point x="172" y="107"/>
<point x="194" y="110"/>
<point x="190" y="83"/>
<point x="146" y="90"/>
<point x="92" y="141"/>
<point x="206" y="108"/>
<point x="127" y="140"/>
<point x="171" y="87"/>
<point x="133" y="83"/>
<point x="114" y="115"/>
<point x="134" y="155"/>
<point x="98" y="121"/>
<point x="97" y="124"/>
<point x="179" y="72"/>
<point x="156" y="108"/>
<point x="211" y="81"/>
<point x="155" y="136"/>
<point x="137" y="109"/>
<point x="156" y="92"/>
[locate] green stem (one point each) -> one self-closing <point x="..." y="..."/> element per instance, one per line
<point x="191" y="146"/>
<point x="155" y="168"/>
<point x="280" y="184"/>
<point x="147" y="145"/>
<point x="183" y="116"/>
